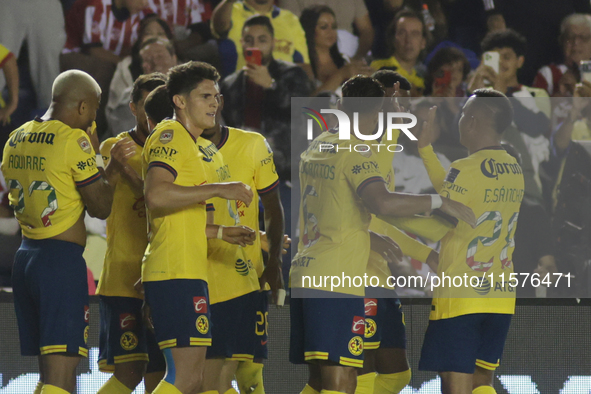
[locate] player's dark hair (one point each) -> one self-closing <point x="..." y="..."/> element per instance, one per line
<point x="157" y="105"/>
<point x="499" y="104"/>
<point x="361" y="86"/>
<point x="259" y="20"/>
<point x="442" y="57"/>
<point x="389" y="77"/>
<point x="182" y="79"/>
<point x="508" y="38"/>
<point x="146" y="83"/>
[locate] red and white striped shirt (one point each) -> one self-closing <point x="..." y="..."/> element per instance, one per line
<point x="549" y="76"/>
<point x="93" y="23"/>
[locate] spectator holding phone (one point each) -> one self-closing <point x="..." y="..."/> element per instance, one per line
<point x="575" y="38"/>
<point x="258" y="97"/>
<point x="330" y="67"/>
<point x="531" y="105"/>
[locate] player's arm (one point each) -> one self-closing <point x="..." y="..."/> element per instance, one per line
<point x="10" y="70"/>
<point x="161" y="192"/>
<point x="275" y="227"/>
<point x="434" y="167"/>
<point x="380" y="201"/>
<point x="236" y="235"/>
<point x="115" y="155"/>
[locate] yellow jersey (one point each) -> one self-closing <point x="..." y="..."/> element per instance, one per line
<point x="414" y="78"/>
<point x="127" y="229"/>
<point x="334" y="222"/>
<point x="44" y="163"/>
<point x="234" y="270"/>
<point x="177" y="243"/>
<point x="377" y="265"/>
<point x="491" y="183"/>
<point x="290" y="39"/>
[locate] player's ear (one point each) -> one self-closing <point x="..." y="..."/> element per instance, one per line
<point x="132" y="108"/>
<point x="179" y="101"/>
<point x="340" y="104"/>
<point x="82" y="107"/>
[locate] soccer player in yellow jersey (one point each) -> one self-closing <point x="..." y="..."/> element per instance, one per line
<point x="327" y="333"/>
<point x="468" y="325"/>
<point x="239" y="309"/>
<point x="177" y="183"/>
<point x="385" y="365"/>
<point x="51" y="170"/>
<point x="125" y="343"/>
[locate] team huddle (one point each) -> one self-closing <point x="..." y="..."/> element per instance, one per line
<point x="184" y="290"/>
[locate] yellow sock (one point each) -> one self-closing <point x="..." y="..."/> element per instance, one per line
<point x="484" y="390"/>
<point x="231" y="391"/>
<point x="38" y="388"/>
<point x="166" y="388"/>
<point x="49" y="389"/>
<point x="365" y="383"/>
<point x="309" y="390"/>
<point x="391" y="383"/>
<point x="114" y="386"/>
<point x="249" y="376"/>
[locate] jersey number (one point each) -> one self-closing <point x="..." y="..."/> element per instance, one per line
<point x="35" y="186"/>
<point x="495" y="216"/>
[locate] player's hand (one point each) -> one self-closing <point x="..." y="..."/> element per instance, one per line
<point x="428" y="131"/>
<point x="122" y="150"/>
<point x="265" y="242"/>
<point x="433" y="261"/>
<point x="236" y="191"/>
<point x="259" y="75"/>
<point x="5" y="114"/>
<point x="238" y="235"/>
<point x="385" y="247"/>
<point x="459" y="210"/>
<point x="273" y="275"/>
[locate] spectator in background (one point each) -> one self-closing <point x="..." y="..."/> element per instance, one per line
<point x="407" y="36"/>
<point x="156" y="55"/>
<point x="228" y="19"/>
<point x="41" y="24"/>
<point x="10" y="71"/>
<point x="531" y="105"/>
<point x="575" y="39"/>
<point x="330" y="67"/>
<point x="446" y="79"/>
<point x="130" y="68"/>
<point x="355" y="32"/>
<point x="259" y="97"/>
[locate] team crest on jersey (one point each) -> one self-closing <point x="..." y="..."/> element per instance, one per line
<point x="356" y="346"/>
<point x="128" y="341"/>
<point x="84" y="144"/>
<point x="166" y="136"/>
<point x="370" y="328"/>
<point x="202" y="324"/>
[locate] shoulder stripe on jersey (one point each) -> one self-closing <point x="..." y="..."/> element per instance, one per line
<point x="268" y="188"/>
<point x="224" y="139"/>
<point x="163" y="165"/>
<point x="367" y="182"/>
<point x="95" y="177"/>
<point x="209" y="207"/>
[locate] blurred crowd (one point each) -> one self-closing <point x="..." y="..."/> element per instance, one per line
<point x="270" y="51"/>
